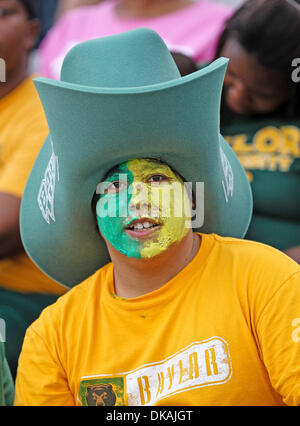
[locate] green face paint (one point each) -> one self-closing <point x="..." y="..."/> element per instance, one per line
<point x="143" y="208"/>
<point x="112" y="212"/>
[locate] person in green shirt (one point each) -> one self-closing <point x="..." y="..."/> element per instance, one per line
<point x="260" y="114"/>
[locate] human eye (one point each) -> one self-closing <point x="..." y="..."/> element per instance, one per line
<point x="157" y="178"/>
<point x="115" y="186"/>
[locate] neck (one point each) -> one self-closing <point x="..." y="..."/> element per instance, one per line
<point x="135" y="277"/>
<point x="149" y="8"/>
<point x="13" y="80"/>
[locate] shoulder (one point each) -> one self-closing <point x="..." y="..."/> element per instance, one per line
<point x="256" y="273"/>
<point x="28" y="99"/>
<point x="23" y="111"/>
<point x="255" y="264"/>
<point x="24" y="94"/>
<point x="71" y="308"/>
<point x="254" y="252"/>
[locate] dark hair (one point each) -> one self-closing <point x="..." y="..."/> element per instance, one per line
<point x="31" y="8"/>
<point x="269" y="29"/>
<point x="185" y="64"/>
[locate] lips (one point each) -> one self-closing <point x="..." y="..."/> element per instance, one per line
<point x="142" y="227"/>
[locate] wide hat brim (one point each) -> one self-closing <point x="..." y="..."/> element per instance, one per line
<point x="93" y="129"/>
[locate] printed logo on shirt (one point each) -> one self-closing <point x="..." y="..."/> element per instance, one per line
<point x="102" y="392"/>
<point x="271" y="148"/>
<point x="200" y="364"/>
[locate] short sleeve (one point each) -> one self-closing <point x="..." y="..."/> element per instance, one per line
<point x="41" y="379"/>
<point x="278" y="331"/>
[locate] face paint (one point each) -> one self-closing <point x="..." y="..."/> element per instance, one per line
<point x="110" y="214"/>
<point x="145" y="211"/>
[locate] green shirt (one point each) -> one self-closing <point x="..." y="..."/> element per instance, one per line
<point x="6" y="382"/>
<point x="269" y="150"/>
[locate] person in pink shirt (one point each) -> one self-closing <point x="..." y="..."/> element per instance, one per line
<point x="187" y="26"/>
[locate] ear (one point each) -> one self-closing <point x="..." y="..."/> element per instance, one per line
<point x="33" y="31"/>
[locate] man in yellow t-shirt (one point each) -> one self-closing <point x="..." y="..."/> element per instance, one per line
<point x="178" y="317"/>
<point x="24" y="289"/>
<point x="225" y="335"/>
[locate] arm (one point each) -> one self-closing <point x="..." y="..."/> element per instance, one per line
<point x="13" y="177"/>
<point x="278" y="331"/>
<point x="41" y="378"/>
<point x="10" y="240"/>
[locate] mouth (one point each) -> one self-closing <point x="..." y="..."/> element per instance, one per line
<point x="142" y="227"/>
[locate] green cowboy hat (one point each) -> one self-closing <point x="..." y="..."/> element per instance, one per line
<point x="122" y="97"/>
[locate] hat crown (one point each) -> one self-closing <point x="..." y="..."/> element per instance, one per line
<point x="134" y="59"/>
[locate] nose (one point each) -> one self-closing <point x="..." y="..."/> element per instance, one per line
<point x="139" y="201"/>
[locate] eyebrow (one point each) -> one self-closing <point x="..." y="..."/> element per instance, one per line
<point x="116" y="170"/>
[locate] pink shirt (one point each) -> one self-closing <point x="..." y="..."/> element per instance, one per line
<point x="194" y="31"/>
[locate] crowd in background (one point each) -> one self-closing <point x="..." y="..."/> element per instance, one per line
<point x="260" y="116"/>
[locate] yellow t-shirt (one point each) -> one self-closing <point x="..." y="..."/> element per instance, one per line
<point x="23" y="129"/>
<point x="224" y="331"/>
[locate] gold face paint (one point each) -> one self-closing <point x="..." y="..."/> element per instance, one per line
<point x="166" y="199"/>
<point x="159" y="210"/>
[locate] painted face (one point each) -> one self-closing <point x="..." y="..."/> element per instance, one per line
<point x="143" y="208"/>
